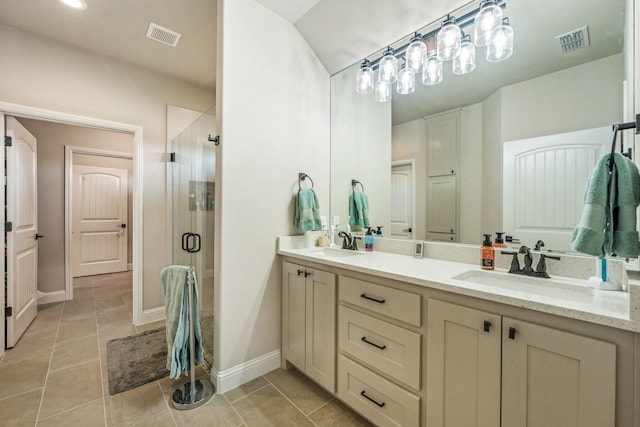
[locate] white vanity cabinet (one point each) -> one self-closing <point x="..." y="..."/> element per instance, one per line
<point x="380" y="353"/>
<point x="309" y="322"/>
<point x="478" y="362"/>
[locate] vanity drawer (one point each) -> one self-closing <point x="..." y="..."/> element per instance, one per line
<point x="397" y="304"/>
<point x="381" y="401"/>
<point x="389" y="348"/>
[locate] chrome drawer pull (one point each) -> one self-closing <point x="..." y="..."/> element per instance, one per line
<point x="363" y="394"/>
<point x="381" y="347"/>
<point x="379" y="301"/>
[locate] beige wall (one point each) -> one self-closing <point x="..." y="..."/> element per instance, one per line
<point x="273" y="118"/>
<point x="41" y="73"/>
<point x="52" y="138"/>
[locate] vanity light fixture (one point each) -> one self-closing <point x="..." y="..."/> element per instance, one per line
<point x="489" y="16"/>
<point x="501" y="45"/>
<point x="465" y="62"/>
<point x="365" y="78"/>
<point x="448" y="39"/>
<point x="388" y="67"/>
<point x="406" y="80"/>
<point x="426" y="53"/>
<point x="75" y="4"/>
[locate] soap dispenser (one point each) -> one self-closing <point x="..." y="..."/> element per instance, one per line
<point x="487" y="253"/>
<point x="499" y="242"/>
<point x="368" y="240"/>
<point x="379" y="231"/>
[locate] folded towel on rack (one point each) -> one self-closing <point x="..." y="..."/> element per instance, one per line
<point x="358" y="210"/>
<point x="608" y="222"/>
<point x="175" y="282"/>
<point x="307" y="215"/>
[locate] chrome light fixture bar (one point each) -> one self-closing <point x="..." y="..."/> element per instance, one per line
<point x="491" y="30"/>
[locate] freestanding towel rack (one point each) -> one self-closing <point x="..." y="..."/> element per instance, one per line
<point x="196" y="392"/>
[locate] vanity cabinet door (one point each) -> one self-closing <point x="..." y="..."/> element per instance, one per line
<point x="309" y="322"/>
<point x="293" y="314"/>
<point x="320" y="351"/>
<point x="555" y="378"/>
<point x="463" y="366"/>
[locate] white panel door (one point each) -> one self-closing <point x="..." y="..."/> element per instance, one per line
<point x="544" y="181"/>
<point x="441" y="204"/>
<point x="402" y="202"/>
<point x="22" y="245"/>
<point x="99" y="235"/>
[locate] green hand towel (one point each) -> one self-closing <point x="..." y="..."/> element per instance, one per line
<point x="625" y="186"/>
<point x="358" y="210"/>
<point x="307" y="215"/>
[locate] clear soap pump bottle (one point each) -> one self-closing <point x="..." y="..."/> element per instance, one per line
<point x="487" y="253"/>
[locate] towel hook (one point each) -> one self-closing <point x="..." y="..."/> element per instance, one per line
<point x="355" y="182"/>
<point x="301" y="177"/>
<point x="618" y="127"/>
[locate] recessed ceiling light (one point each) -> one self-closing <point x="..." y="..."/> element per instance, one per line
<point x="76" y="4"/>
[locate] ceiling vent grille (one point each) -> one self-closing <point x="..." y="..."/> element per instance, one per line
<point x="573" y="40"/>
<point x="163" y="35"/>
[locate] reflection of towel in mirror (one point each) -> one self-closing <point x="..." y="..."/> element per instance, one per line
<point x="608" y="222"/>
<point x="358" y="210"/>
<point x="307" y="211"/>
<point x="176" y="296"/>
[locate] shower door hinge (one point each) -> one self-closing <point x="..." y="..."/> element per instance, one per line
<point x="8" y="312"/>
<point x="7" y="141"/>
<point x="172" y="157"/>
<point x="8" y="226"/>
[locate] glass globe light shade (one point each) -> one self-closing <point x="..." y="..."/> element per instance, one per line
<point x="364" y="78"/>
<point x="416" y="53"/>
<point x="501" y="45"/>
<point x="406" y="80"/>
<point x="448" y="39"/>
<point x="489" y="16"/>
<point x="382" y="91"/>
<point x="388" y="67"/>
<point x="465" y="62"/>
<point x="432" y="71"/>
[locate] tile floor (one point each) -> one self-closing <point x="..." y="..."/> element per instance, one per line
<point x="57" y="376"/>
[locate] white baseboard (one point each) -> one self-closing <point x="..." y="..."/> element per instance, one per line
<point x="231" y="378"/>
<point x="49" y="297"/>
<point x="152" y="315"/>
<point x="130" y="266"/>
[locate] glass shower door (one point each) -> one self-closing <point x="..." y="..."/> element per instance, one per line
<point x="193" y="209"/>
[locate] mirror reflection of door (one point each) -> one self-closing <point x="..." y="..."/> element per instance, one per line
<point x="402" y="200"/>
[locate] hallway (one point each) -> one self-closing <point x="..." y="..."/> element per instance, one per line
<point x="57" y="375"/>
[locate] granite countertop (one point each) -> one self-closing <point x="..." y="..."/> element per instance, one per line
<point x="609" y="308"/>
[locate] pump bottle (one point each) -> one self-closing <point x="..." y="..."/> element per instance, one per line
<point x="368" y="240"/>
<point x="487" y="253"/>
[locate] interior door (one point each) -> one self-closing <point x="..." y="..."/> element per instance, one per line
<point x="402" y="201"/>
<point x="99" y="234"/>
<point x="21" y="236"/>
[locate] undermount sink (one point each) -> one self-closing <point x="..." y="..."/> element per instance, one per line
<point x="337" y="252"/>
<point x="555" y="288"/>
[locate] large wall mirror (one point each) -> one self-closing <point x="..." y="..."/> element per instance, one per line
<point x="395" y="149"/>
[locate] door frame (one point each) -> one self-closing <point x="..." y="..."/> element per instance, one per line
<point x="412" y="164"/>
<point x="136" y="131"/>
<point x="69" y="152"/>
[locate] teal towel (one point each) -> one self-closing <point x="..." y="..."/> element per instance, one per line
<point x="307" y="211"/>
<point x="176" y="296"/>
<point x="608" y="222"/>
<point x="358" y="210"/>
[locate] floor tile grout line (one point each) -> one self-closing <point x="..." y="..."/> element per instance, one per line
<point x="290" y="401"/>
<point x="69" y="410"/>
<point x="236" y="409"/>
<point x="322" y="406"/>
<point x="166" y="402"/>
<point x="248" y="394"/>
<point x="46" y="378"/>
<point x="104" y="398"/>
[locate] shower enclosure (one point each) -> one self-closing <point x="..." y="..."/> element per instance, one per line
<point x="192" y="171"/>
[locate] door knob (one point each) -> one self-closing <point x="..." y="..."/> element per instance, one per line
<point x="123" y="225"/>
<point x="39" y="236"/>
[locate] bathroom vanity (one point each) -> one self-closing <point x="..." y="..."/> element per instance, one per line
<point x="416" y="342"/>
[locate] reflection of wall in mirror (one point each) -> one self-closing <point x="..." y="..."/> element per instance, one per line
<point x="581" y="97"/>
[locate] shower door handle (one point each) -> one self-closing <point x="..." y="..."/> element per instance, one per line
<point x="191" y="242"/>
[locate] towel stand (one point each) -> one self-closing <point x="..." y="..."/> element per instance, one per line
<point x="301" y="177"/>
<point x="195" y="392"/>
<point x="618" y="127"/>
<point x="355" y="182"/>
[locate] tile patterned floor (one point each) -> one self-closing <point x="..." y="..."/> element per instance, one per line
<point x="57" y="376"/>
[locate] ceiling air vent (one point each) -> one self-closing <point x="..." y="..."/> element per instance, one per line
<point x="573" y="40"/>
<point x="163" y="35"/>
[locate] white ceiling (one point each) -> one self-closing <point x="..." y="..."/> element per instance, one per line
<point x="340" y="32"/>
